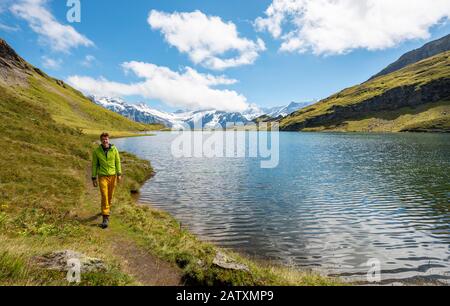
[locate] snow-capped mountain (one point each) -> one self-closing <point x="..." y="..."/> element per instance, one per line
<point x="255" y="112"/>
<point x="136" y="112"/>
<point x="195" y="119"/>
<point x="145" y="114"/>
<point x="283" y="111"/>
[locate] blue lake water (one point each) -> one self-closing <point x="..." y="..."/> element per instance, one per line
<point x="334" y="202"/>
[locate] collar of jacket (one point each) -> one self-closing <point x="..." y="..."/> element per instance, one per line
<point x="107" y="149"/>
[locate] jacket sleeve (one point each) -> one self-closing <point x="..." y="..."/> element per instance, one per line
<point x="94" y="165"/>
<point x="118" y="163"/>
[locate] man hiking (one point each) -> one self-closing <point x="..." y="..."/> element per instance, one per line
<point x="106" y="165"/>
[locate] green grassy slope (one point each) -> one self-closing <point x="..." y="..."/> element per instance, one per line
<point x="42" y="186"/>
<point x="63" y="103"/>
<point x="69" y="107"/>
<point x="384" y="103"/>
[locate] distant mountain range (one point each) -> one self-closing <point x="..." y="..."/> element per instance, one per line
<point x="206" y="118"/>
<point x="283" y="111"/>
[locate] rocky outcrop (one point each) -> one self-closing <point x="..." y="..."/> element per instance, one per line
<point x="431" y="49"/>
<point x="14" y="70"/>
<point x="9" y="58"/>
<point x="391" y="100"/>
<point x="223" y="261"/>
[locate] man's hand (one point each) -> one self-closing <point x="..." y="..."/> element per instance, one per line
<point x="95" y="183"/>
<point x="119" y="178"/>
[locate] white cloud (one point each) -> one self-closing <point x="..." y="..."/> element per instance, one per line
<point x="58" y="36"/>
<point x="206" y="39"/>
<point x="339" y="26"/>
<point x="50" y="63"/>
<point x="188" y="89"/>
<point x="7" y="28"/>
<point x="88" y="60"/>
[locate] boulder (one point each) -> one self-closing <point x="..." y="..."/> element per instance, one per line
<point x="225" y="262"/>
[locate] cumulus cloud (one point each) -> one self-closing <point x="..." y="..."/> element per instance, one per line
<point x="50" y="63"/>
<point x="339" y="26"/>
<point x="58" y="36"/>
<point x="187" y="89"/>
<point x="206" y="39"/>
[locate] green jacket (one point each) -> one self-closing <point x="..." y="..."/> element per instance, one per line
<point x="106" y="163"/>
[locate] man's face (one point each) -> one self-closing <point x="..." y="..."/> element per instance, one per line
<point x="105" y="142"/>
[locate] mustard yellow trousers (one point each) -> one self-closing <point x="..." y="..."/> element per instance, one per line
<point x="107" y="185"/>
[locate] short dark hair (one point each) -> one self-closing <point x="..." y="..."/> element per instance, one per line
<point x="104" y="135"/>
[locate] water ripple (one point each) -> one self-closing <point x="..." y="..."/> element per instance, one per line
<point x="334" y="202"/>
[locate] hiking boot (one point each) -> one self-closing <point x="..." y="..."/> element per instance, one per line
<point x="105" y="222"/>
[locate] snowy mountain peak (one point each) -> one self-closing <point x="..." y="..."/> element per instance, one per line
<point x="283" y="111"/>
<point x="203" y="118"/>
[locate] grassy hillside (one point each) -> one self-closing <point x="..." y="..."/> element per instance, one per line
<point x="64" y="104"/>
<point x="47" y="202"/>
<point x="69" y="107"/>
<point x="413" y="98"/>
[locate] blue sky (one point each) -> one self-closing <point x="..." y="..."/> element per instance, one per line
<point x="303" y="62"/>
